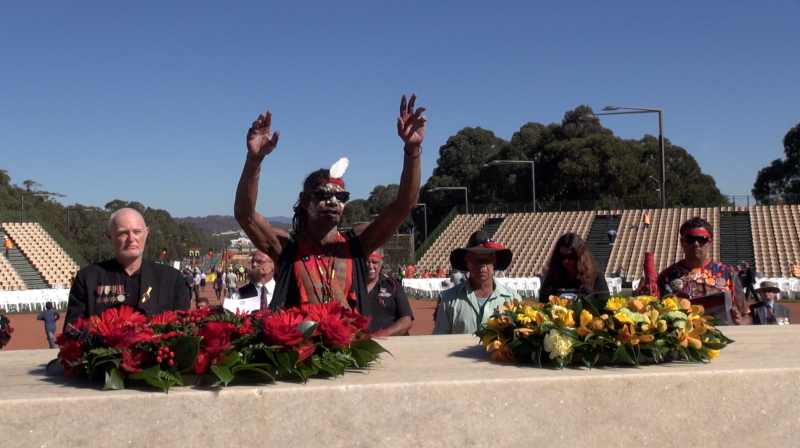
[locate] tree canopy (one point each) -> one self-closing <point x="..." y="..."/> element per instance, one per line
<point x="84" y="225"/>
<point x="780" y="180"/>
<point x="576" y="160"/>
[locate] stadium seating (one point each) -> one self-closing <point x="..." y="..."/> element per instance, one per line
<point x="45" y="254"/>
<point x="456" y="235"/>
<point x="9" y="279"/>
<point x="775" y="232"/>
<point x="531" y="237"/>
<point x="775" y="238"/>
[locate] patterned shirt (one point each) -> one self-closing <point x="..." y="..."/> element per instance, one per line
<point x="688" y="283"/>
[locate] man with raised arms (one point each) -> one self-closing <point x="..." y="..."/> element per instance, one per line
<point x="317" y="264"/>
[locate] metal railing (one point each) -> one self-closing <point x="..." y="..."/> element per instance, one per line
<point x="435" y="234"/>
<point x="36" y="217"/>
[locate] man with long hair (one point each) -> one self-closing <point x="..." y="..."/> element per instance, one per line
<point x="696" y="275"/>
<point x="571" y="272"/>
<point x="317" y="264"/>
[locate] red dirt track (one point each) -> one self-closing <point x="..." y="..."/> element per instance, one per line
<point x="29" y="332"/>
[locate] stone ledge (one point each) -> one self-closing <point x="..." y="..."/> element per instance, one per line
<point x="439" y="391"/>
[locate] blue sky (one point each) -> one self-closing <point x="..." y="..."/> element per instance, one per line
<point x="151" y="101"/>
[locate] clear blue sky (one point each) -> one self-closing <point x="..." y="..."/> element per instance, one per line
<point x="151" y="101"/>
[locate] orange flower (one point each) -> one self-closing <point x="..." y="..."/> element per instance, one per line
<point x="559" y="301"/>
<point x="627" y="335"/>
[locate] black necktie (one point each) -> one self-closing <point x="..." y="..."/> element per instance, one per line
<point x="264" y="297"/>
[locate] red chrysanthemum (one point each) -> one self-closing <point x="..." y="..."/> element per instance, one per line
<point x="164" y="318"/>
<point x="132" y="360"/>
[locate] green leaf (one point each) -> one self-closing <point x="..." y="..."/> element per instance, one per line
<point x="714" y="345"/>
<point x="186" y="350"/>
<point x="114" y="380"/>
<point x="309" y="331"/>
<point x="622" y="353"/>
<point x="100" y="362"/>
<point x="287" y="360"/>
<point x="231" y="357"/>
<point x="253" y="369"/>
<point x="369" y="345"/>
<point x="151" y="372"/>
<point x="590" y="358"/>
<point x="223" y="373"/>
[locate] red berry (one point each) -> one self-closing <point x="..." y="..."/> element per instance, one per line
<point x="170" y="362"/>
<point x="171" y="354"/>
<point x="158" y="359"/>
<point x="193" y="325"/>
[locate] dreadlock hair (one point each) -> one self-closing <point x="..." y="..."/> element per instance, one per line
<point x="300" y="218"/>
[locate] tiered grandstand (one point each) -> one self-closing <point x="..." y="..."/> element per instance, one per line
<point x="52" y="264"/>
<point x="769" y="239"/>
<point x="9" y="279"/>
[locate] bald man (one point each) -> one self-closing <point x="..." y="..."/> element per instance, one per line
<point x="127" y="279"/>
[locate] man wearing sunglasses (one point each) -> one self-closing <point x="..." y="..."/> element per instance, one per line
<point x="317" y="264"/>
<point x="696" y="275"/>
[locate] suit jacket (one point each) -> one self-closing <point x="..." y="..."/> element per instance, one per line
<point x="169" y="291"/>
<point x="759" y="313"/>
<point x="249" y="290"/>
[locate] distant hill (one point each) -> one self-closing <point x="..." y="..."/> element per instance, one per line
<point x="217" y="223"/>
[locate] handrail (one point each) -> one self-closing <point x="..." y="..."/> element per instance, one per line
<point x="435" y="234"/>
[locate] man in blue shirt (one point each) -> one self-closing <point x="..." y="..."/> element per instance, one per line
<point x="49" y="316"/>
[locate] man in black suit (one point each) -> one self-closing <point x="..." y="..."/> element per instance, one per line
<point x="767" y="312"/>
<point x="127" y="279"/>
<point x="262" y="283"/>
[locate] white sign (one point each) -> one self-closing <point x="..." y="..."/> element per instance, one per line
<point x="246" y="305"/>
<point x="176" y="265"/>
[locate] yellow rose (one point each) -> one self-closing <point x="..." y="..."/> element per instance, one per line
<point x="615" y="303"/>
<point x="661" y="325"/>
<point x="646" y="300"/>
<point x="669" y="304"/>
<point x="623" y="318"/>
<point x="566" y="319"/>
<point x="712" y="353"/>
<point x="499" y="324"/>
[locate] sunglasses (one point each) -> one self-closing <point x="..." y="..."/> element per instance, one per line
<point x="691" y="239"/>
<point x="562" y="257"/>
<point x="325" y="195"/>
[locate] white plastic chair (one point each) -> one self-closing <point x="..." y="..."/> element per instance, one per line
<point x="635" y="284"/>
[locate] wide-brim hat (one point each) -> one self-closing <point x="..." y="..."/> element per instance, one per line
<point x="768" y="287"/>
<point x="480" y="243"/>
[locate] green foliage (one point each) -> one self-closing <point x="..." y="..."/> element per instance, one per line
<point x="781" y="179"/>
<point x="84" y="226"/>
<point x="576" y="160"/>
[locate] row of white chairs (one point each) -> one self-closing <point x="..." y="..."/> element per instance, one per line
<point x="33" y="299"/>
<point x="790" y="287"/>
<point x="431" y="287"/>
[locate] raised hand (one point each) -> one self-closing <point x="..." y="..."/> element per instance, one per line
<point x="411" y="123"/>
<point x="260" y="139"/>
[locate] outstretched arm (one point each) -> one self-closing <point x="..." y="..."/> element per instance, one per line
<point x="411" y="129"/>
<point x="260" y="142"/>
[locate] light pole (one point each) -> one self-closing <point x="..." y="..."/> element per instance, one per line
<point x="658" y="186"/>
<point x="644" y="110"/>
<point x="425" y="213"/>
<point x="466" y="203"/>
<point x="36" y="193"/>
<point x="516" y="162"/>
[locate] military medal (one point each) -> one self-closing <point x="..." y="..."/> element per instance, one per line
<point x="99" y="298"/>
<point x="120" y="293"/>
<point x="146" y="295"/>
<point x="107" y="294"/>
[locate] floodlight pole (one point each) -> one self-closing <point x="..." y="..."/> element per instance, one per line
<point x="644" y="110"/>
<point x="515" y="162"/>
<point x="425" y="213"/>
